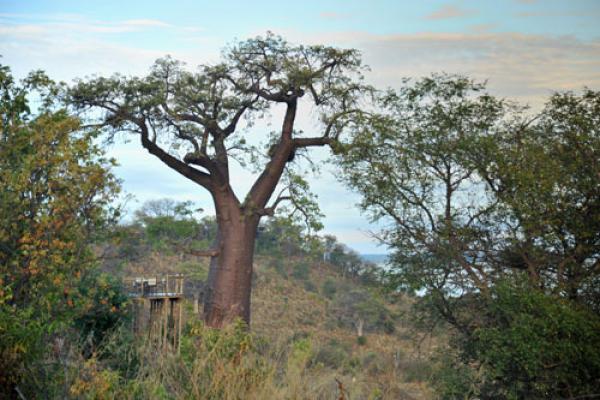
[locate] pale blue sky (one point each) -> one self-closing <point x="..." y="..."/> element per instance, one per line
<point x="524" y="48"/>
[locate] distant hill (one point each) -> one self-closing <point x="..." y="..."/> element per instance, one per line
<point x="375" y="258"/>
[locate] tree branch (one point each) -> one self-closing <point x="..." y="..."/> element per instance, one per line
<point x="201" y="178"/>
<point x="313" y="141"/>
<point x="264" y="186"/>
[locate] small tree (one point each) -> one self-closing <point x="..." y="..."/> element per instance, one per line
<point x="194" y="123"/>
<point x="169" y="220"/>
<point x="359" y="309"/>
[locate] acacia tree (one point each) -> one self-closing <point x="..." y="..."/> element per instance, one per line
<point x="409" y="165"/>
<point x="494" y="213"/>
<point x="196" y="123"/>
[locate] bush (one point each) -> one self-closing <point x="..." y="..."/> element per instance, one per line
<point x="278" y="265"/>
<point x="301" y="271"/>
<point x="529" y="345"/>
<point x="309" y="286"/>
<point x="333" y="354"/>
<point x="329" y="288"/>
<point x="105" y="308"/>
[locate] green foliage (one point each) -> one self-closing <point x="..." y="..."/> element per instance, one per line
<point x="104" y="308"/>
<point x="166" y="221"/>
<point x="204" y="115"/>
<point x="280" y="236"/>
<point x="529" y="345"/>
<point x="348" y="262"/>
<point x="329" y="288"/>
<point x="537" y="346"/>
<point x="334" y="354"/>
<point x="309" y="286"/>
<point x="410" y="163"/>
<point x="452" y="378"/>
<point x="56" y="193"/>
<point x="552" y="159"/>
<point x="477" y="191"/>
<point x="301" y="270"/>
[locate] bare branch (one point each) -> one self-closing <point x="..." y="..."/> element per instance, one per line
<point x="201" y="178"/>
<point x="313" y="141"/>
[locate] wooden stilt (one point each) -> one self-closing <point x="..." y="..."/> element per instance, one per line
<point x="163" y="298"/>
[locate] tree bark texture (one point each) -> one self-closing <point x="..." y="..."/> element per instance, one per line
<point x="230" y="276"/>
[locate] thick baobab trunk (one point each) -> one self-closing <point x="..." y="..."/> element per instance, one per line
<point x="230" y="277"/>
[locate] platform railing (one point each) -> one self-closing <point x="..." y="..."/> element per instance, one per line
<point x="156" y="286"/>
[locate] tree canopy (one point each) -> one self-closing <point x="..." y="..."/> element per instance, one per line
<point x="492" y="214"/>
<point x="197" y="121"/>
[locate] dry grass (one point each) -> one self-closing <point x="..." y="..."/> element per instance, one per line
<point x="298" y="353"/>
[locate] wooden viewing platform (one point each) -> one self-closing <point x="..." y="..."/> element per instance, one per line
<point x="158" y="308"/>
<point x="167" y="286"/>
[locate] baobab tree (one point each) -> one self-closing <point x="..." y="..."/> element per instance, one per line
<point x="196" y="123"/>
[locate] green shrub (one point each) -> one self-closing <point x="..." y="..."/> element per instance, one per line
<point x="105" y="308"/>
<point x="278" y="265"/>
<point x="528" y="344"/>
<point x="301" y="271"/>
<point x="309" y="286"/>
<point x="537" y="346"/>
<point x="333" y="354"/>
<point x="451" y="378"/>
<point x="329" y="288"/>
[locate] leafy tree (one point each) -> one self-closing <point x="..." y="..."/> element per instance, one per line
<point x="280" y="237"/>
<point x="536" y="346"/>
<point x="166" y="219"/>
<point x="196" y="123"/>
<point x="55" y="197"/>
<point x="409" y="165"/>
<point x="545" y="173"/>
<point x="360" y="310"/>
<point x="477" y="193"/>
<point x="348" y="262"/>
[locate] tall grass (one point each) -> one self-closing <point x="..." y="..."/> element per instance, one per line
<point x="226" y="365"/>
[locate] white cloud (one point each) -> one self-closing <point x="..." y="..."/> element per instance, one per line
<point x="330" y="15"/>
<point x="522" y="67"/>
<point x="18" y="25"/>
<point x="69" y="45"/>
<point x="449" y="11"/>
<point x="145" y="23"/>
